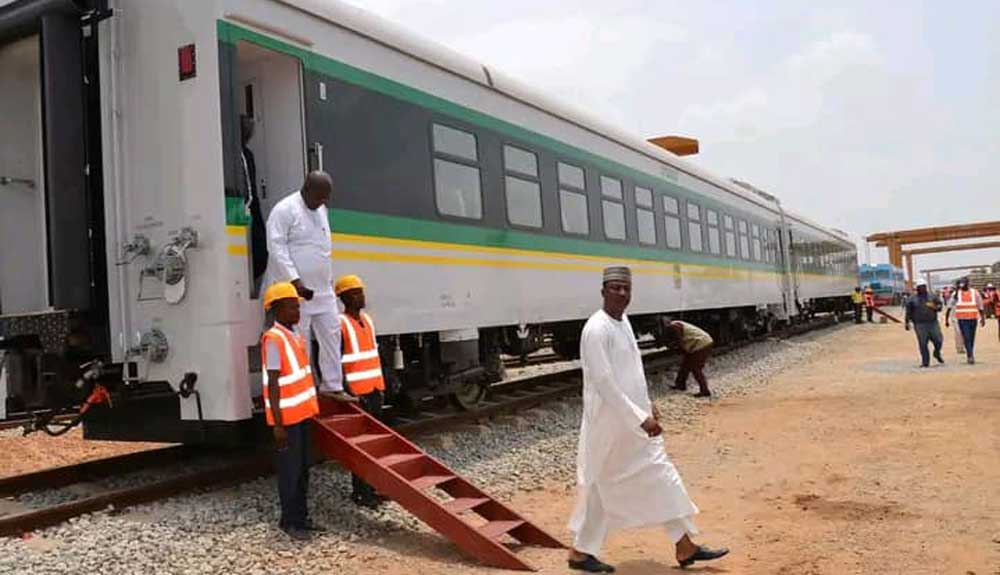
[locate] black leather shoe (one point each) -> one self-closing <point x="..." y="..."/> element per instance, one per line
<point x="703" y="554"/>
<point x="937" y="356"/>
<point x="679" y="387"/>
<point x="591" y="565"/>
<point x="296" y="533"/>
<point x="312" y="526"/>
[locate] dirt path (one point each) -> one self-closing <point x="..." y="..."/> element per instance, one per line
<point x="854" y="462"/>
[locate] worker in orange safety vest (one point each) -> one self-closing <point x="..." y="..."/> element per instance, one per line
<point x="869" y="302"/>
<point x="289" y="404"/>
<point x="968" y="308"/>
<point x="362" y="368"/>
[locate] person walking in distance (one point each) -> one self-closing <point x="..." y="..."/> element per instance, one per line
<point x="921" y="311"/>
<point x="695" y="346"/>
<point x="362" y="366"/>
<point x="968" y="309"/>
<point x="298" y="244"/>
<point x="949" y="303"/>
<point x="869" y="302"/>
<point x="624" y="476"/>
<point x="858" y="300"/>
<point x="289" y="404"/>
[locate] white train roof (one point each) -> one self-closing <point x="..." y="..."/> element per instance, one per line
<point x="389" y="34"/>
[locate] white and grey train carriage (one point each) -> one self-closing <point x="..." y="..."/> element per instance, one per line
<point x="479" y="214"/>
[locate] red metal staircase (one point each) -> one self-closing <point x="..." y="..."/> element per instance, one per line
<point x="425" y="487"/>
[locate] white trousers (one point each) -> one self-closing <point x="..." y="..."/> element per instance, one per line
<point x="593" y="530"/>
<point x="959" y="338"/>
<point x="325" y="328"/>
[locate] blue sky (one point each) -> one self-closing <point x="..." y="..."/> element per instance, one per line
<point x="867" y="116"/>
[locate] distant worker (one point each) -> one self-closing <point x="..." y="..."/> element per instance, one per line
<point x="289" y="403"/>
<point x="922" y="310"/>
<point x="695" y="346"/>
<point x="362" y="368"/>
<point x="949" y="304"/>
<point x="869" y="302"/>
<point x="989" y="301"/>
<point x="968" y="308"/>
<point x="858" y="300"/>
<point x="624" y="477"/>
<point x="298" y="242"/>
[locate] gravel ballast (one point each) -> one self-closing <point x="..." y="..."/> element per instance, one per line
<point x="234" y="530"/>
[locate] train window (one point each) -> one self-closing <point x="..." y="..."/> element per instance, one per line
<point x="571" y="176"/>
<point x="457" y="189"/>
<point x="611" y="188"/>
<point x="457" y="186"/>
<point x="522" y="188"/>
<point x="730" y="230"/>
<point x="644" y="217"/>
<point x="613" y="208"/>
<point x="454" y="142"/>
<point x="574" y="212"/>
<point x="524" y="202"/>
<point x="643" y="197"/>
<point x="672" y="222"/>
<point x="694" y="227"/>
<point x="614" y="220"/>
<point x="755" y="243"/>
<point x="520" y="161"/>
<point x="712" y="219"/>
<point x="744" y="239"/>
<point x="573" y="200"/>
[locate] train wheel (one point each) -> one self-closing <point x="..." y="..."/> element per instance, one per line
<point x="469" y="395"/>
<point x="566" y="349"/>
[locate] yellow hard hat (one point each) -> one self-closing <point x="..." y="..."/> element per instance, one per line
<point x="279" y="291"/>
<point x="346" y="283"/>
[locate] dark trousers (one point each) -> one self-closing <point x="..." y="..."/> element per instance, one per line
<point x="372" y="404"/>
<point x="857" y="313"/>
<point x="693" y="363"/>
<point x="928" y="332"/>
<point x="292" y="465"/>
<point x="968" y="329"/>
<point x="870" y="310"/>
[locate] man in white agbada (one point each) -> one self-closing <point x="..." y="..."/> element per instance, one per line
<point x="624" y="476"/>
<point x="298" y="245"/>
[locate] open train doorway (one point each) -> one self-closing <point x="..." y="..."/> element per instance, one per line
<point x="268" y="97"/>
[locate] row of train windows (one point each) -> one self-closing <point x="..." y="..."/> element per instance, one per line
<point x="457" y="188"/>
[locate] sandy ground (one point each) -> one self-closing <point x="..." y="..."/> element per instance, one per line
<point x="854" y="462"/>
<point x="38" y="451"/>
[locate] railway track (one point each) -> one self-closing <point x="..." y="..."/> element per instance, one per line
<point x="514" y="395"/>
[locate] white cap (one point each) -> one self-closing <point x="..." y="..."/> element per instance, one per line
<point x="989" y="285"/>
<point x="921" y="282"/>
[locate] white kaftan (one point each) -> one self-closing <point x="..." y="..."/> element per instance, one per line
<point x="624" y="477"/>
<point x="298" y="245"/>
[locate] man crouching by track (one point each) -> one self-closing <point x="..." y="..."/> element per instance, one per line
<point x="289" y="403"/>
<point x="362" y="368"/>
<point x="624" y="476"/>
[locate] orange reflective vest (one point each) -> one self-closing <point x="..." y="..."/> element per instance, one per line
<point x="297" y="392"/>
<point x="965" y="305"/>
<point x="869" y="298"/>
<point x="362" y="367"/>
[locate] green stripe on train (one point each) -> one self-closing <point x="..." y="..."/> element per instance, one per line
<point x="231" y="34"/>
<point x="379" y="225"/>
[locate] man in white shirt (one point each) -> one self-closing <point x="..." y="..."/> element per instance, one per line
<point x="624" y="476"/>
<point x="298" y="245"/>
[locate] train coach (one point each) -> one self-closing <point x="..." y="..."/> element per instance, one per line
<point x="479" y="213"/>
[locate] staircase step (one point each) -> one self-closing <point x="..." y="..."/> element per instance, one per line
<point x="495" y="529"/>
<point x="465" y="503"/>
<point x="366" y="437"/>
<point x="428" y="481"/>
<point x="396" y="458"/>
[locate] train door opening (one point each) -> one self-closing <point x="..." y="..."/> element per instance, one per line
<point x="23" y="255"/>
<point x="268" y="95"/>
